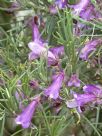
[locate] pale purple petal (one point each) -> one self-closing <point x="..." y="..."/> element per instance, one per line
<point x="61" y="3"/>
<point x="57" y="51"/>
<point x="89" y="47"/>
<point x="32" y="56"/>
<point x="72" y="103"/>
<point x="35" y="31"/>
<point x="40" y="51"/>
<point x="25" y="117"/>
<point x="36" y="48"/>
<point x="54" y="89"/>
<point x="19" y="95"/>
<point x="74" y="81"/>
<point x="90" y="13"/>
<point x="58" y="4"/>
<point x="92" y="94"/>
<point x="92" y="89"/>
<point x="83" y="99"/>
<point x="80" y="6"/>
<point x="80" y="100"/>
<point x="53" y="9"/>
<point x="87" y="13"/>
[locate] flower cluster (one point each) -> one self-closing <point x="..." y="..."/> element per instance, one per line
<point x="53" y="55"/>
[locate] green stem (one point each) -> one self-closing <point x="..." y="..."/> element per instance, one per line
<point x="46" y="120"/>
<point x="94" y="128"/>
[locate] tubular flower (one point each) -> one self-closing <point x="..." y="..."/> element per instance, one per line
<point x="90" y="12"/>
<point x="89" y="47"/>
<point x="74" y="81"/>
<point x="36" y="40"/>
<point x="80" y="6"/>
<point x="58" y="4"/>
<point x="37" y="48"/>
<point x="87" y="11"/>
<point x="40" y="51"/>
<point x="54" y="89"/>
<point x="58" y="51"/>
<point x="93" y="89"/>
<point x="96" y="90"/>
<point x="80" y="100"/>
<point x="92" y="94"/>
<point x="25" y="117"/>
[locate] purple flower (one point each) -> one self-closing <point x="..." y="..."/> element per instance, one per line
<point x="25" y="117"/>
<point x="36" y="34"/>
<point x="92" y="94"/>
<point x="87" y="13"/>
<point x="90" y="12"/>
<point x="40" y="51"/>
<point x="74" y="81"/>
<point x="58" y="51"/>
<point x="54" y="89"/>
<point x="83" y="99"/>
<point x="35" y="30"/>
<point x="61" y="3"/>
<point x="80" y="6"/>
<point x="93" y="89"/>
<point x="89" y="47"/>
<point x="37" y="42"/>
<point x="58" y="3"/>
<point x="80" y="100"/>
<point x="53" y="9"/>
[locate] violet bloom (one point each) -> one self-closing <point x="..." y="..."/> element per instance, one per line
<point x="53" y="9"/>
<point x="90" y="12"/>
<point x="61" y="3"/>
<point x="58" y="4"/>
<point x="87" y="11"/>
<point x="40" y="51"/>
<point x="25" y="117"/>
<point x="58" y="51"/>
<point x="93" y="89"/>
<point x="85" y="14"/>
<point x="36" y="41"/>
<point x="80" y="100"/>
<point x="89" y="47"/>
<point x="54" y="89"/>
<point x="74" y="81"/>
<point x="79" y="7"/>
<point x="92" y="94"/>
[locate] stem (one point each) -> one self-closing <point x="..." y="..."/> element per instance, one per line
<point x="97" y="116"/>
<point x="46" y="120"/>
